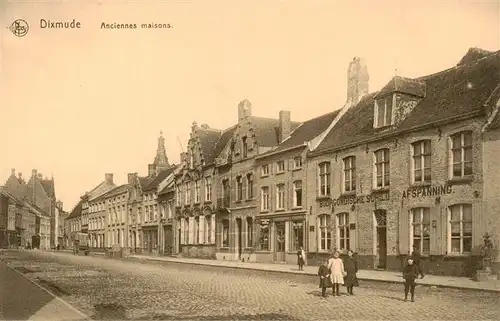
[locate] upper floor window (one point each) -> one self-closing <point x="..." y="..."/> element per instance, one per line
<point x="421" y="161"/>
<point x="297" y="194"/>
<point x="461" y="150"/>
<point x="208" y="189"/>
<point x="460" y="229"/>
<point x="264" y="195"/>
<point x="420" y="229"/>
<point x="187" y="193"/>
<point x="324" y="179"/>
<point x="280" y="167"/>
<point x="280" y="196"/>
<point x="245" y="147"/>
<point x="297" y="162"/>
<point x="382" y="165"/>
<point x="343" y="231"/>
<point x="349" y="174"/>
<point x="178" y="195"/>
<point x="264" y="170"/>
<point x="249" y="186"/>
<point x="239" y="188"/>
<point x="197" y="191"/>
<point x="383" y="112"/>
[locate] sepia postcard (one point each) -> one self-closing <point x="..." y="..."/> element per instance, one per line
<point x="249" y="160"/>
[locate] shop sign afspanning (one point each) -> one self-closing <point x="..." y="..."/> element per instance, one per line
<point x="428" y="191"/>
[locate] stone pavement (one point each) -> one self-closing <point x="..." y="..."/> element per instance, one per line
<point x="22" y="299"/>
<point x="370" y="275"/>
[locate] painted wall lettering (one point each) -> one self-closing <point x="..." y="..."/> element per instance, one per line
<point x="354" y="199"/>
<point x="428" y="191"/>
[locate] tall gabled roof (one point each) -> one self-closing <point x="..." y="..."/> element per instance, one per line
<point x="208" y="139"/>
<point x="225" y="137"/>
<point x="158" y="179"/>
<point x="267" y="131"/>
<point x="77" y="211"/>
<point x="458" y="91"/>
<point x="48" y="186"/>
<point x="305" y="132"/>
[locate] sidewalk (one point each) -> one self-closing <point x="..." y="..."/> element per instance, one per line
<point x="371" y="275"/>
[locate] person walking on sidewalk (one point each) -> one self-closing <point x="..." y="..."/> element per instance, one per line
<point x="410" y="274"/>
<point x="415" y="255"/>
<point x="351" y="269"/>
<point x="337" y="271"/>
<point x="324" y="278"/>
<point x="301" y="258"/>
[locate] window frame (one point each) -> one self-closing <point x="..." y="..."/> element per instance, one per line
<point x="249" y="230"/>
<point x="295" y="197"/>
<point x="239" y="188"/>
<point x="249" y="189"/>
<point x="280" y="196"/>
<point x="422" y="224"/>
<point x="379" y="107"/>
<point x="462" y="148"/>
<point x="422" y="156"/>
<point x="385" y="164"/>
<point x="264" y="199"/>
<point x="208" y="189"/>
<point x="462" y="237"/>
<point x="350" y="172"/>
<point x="264" y="170"/>
<point x="280" y="167"/>
<point x="324" y="179"/>
<point x="267" y="229"/>
<point x="324" y="226"/>
<point x="344" y="227"/>
<point x="197" y="191"/>
<point x="295" y="166"/>
<point x="225" y="229"/>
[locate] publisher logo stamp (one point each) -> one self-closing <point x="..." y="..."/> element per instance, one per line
<point x="19" y="27"/>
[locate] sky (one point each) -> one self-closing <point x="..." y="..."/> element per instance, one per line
<point x="79" y="103"/>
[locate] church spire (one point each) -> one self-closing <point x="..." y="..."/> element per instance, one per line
<point x="160" y="162"/>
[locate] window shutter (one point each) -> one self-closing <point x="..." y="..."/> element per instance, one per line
<point x="212" y="218"/>
<point x="404" y="232"/>
<point x="202" y="230"/>
<point x="182" y="230"/>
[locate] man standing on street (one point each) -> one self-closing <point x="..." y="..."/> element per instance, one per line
<point x="416" y="260"/>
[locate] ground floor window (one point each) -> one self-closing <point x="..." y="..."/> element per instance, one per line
<point x="264" y="236"/>
<point x="420" y="225"/>
<point x="343" y="231"/>
<point x="460" y="228"/>
<point x="225" y="233"/>
<point x="197" y="230"/>
<point x="186" y="230"/>
<point x="208" y="229"/>
<point x="325" y="235"/>
<point x="297" y="235"/>
<point x="249" y="232"/>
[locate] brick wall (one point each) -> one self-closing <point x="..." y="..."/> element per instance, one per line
<point x="397" y="207"/>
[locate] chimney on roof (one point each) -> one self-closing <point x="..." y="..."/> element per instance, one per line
<point x="13" y="172"/>
<point x="34" y="172"/>
<point x="244" y="109"/>
<point x="131" y="177"/>
<point x="108" y="178"/>
<point x="357" y="80"/>
<point x="284" y="125"/>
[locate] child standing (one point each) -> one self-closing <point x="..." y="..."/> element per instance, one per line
<point x="351" y="268"/>
<point x="410" y="273"/>
<point x="324" y="278"/>
<point x="337" y="271"/>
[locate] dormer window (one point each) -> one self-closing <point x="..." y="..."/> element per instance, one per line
<point x="383" y="111"/>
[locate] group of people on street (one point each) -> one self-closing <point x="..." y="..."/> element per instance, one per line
<point x="335" y="272"/>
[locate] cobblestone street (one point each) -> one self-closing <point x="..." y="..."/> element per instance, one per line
<point x="127" y="289"/>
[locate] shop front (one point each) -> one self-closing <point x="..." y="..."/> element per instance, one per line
<point x="280" y="237"/>
<point x="150" y="240"/>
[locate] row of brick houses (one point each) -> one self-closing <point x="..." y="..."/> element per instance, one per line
<point x="412" y="164"/>
<point x="29" y="212"/>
